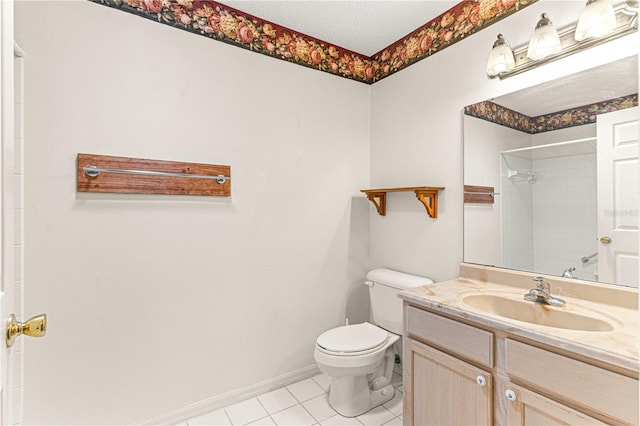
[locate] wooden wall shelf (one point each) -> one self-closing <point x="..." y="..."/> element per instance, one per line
<point x="107" y="174"/>
<point x="427" y="195"/>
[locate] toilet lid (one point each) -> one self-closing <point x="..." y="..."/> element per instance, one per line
<point x="353" y="338"/>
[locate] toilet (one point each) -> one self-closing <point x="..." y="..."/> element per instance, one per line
<point x="360" y="358"/>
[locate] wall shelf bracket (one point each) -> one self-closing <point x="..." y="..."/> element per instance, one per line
<point x="381" y="203"/>
<point x="427" y="195"/>
<point x="428" y="198"/>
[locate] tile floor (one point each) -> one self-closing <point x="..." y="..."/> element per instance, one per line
<point x="301" y="404"/>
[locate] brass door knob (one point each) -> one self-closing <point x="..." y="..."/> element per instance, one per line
<point x="34" y="327"/>
<point x="605" y="240"/>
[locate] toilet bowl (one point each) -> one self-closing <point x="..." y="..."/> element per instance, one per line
<point x="360" y="358"/>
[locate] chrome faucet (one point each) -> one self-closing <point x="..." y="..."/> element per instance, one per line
<point x="568" y="273"/>
<point x="542" y="293"/>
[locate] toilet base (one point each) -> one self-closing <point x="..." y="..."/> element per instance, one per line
<point x="382" y="396"/>
<point x="352" y="396"/>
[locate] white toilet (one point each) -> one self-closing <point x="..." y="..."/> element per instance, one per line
<point x="360" y="358"/>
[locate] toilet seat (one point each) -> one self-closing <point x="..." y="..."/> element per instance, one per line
<point x="352" y="340"/>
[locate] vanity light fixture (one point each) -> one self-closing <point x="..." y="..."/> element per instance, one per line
<point x="597" y="20"/>
<point x="545" y="40"/>
<point x="501" y="58"/>
<point x="544" y="47"/>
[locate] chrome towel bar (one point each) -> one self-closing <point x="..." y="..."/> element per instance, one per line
<point x="93" y="171"/>
<point x="482" y="193"/>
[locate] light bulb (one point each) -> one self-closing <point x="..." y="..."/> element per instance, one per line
<point x="501" y="58"/>
<point x="545" y="40"/>
<point x="597" y="20"/>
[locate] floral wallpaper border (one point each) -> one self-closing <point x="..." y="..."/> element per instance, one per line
<point x="219" y="22"/>
<point x="579" y="116"/>
<point x="458" y="23"/>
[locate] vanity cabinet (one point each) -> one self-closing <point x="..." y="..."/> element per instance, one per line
<point x="459" y="372"/>
<point x="447" y="390"/>
<point x="443" y="387"/>
<point x="575" y="383"/>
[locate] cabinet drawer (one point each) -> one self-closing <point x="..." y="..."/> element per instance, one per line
<point x="458" y="338"/>
<point x="608" y="393"/>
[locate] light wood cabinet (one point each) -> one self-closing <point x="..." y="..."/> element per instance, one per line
<point x="529" y="408"/>
<point x="458" y="373"/>
<point x="576" y="383"/>
<point x="447" y="390"/>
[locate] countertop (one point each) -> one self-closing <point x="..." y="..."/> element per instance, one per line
<point x="618" y="347"/>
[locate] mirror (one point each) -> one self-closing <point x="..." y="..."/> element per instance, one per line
<point x="551" y="177"/>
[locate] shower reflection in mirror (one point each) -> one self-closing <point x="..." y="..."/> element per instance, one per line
<point x="567" y="202"/>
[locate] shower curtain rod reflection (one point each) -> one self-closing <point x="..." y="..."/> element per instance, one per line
<point x="93" y="171"/>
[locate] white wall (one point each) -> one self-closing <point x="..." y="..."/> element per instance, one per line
<point x="484" y="141"/>
<point x="417" y="136"/>
<point x="158" y="302"/>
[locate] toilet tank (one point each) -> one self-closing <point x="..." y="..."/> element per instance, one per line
<point x="386" y="306"/>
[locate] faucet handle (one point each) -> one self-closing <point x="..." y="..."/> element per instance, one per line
<point x="542" y="284"/>
<point x="543" y="293"/>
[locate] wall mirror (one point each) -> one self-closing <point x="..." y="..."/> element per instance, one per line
<point x="551" y="177"/>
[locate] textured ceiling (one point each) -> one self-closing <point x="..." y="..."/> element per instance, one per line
<point x="367" y="27"/>
<point x="606" y="82"/>
<point x="362" y="26"/>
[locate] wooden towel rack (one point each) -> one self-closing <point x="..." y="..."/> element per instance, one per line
<point x="108" y="174"/>
<point x="479" y="194"/>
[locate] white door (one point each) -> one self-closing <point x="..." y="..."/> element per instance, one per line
<point x="11" y="242"/>
<point x="618" y="197"/>
<point x="6" y="266"/>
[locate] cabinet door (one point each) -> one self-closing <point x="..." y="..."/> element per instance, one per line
<point x="529" y="408"/>
<point x="578" y="383"/>
<point x="444" y="390"/>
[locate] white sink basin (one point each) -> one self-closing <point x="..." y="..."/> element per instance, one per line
<point x="536" y="313"/>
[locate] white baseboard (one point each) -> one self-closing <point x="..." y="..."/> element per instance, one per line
<point x="215" y="403"/>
